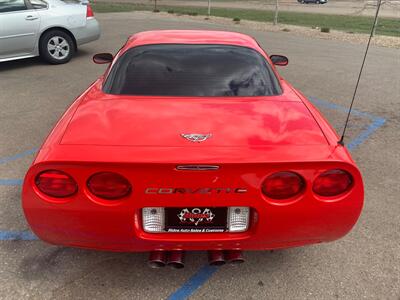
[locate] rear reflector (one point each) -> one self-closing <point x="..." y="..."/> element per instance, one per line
<point x="332" y="183"/>
<point x="283" y="185"/>
<point x="153" y="219"/>
<point x="56" y="184"/>
<point x="109" y="185"/>
<point x="89" y="11"/>
<point x="238" y="219"/>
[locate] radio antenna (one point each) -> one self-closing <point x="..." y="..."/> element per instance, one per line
<point x="379" y="2"/>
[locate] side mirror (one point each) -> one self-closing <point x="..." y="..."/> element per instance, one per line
<point x="103" y="58"/>
<point x="279" y="60"/>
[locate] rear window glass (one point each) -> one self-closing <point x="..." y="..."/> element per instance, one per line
<point x="192" y="70"/>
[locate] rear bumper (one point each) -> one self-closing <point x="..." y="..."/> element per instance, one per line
<point x="91" y="32"/>
<point x="87" y="222"/>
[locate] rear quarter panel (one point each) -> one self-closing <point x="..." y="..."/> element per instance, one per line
<point x="59" y="14"/>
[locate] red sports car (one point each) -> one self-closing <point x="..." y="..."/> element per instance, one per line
<point x="192" y="141"/>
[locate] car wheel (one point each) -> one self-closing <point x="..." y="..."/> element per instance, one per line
<point x="56" y="47"/>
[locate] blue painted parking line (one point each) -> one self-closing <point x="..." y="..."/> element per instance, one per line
<point x="10" y="181"/>
<point x="366" y="133"/>
<point x="25" y="235"/>
<point x="18" y="156"/>
<point x="334" y="106"/>
<point x="7" y="159"/>
<point x="193" y="283"/>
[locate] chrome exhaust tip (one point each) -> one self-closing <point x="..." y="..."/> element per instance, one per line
<point x="176" y="259"/>
<point x="216" y="258"/>
<point x="157" y="259"/>
<point x="234" y="257"/>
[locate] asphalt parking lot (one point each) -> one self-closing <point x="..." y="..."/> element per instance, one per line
<point x="364" y="264"/>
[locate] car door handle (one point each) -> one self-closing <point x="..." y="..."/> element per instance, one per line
<point x="31" y="18"/>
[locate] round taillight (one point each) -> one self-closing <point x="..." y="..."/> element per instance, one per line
<point x="283" y="185"/>
<point x="56" y="184"/>
<point x="109" y="185"/>
<point x="332" y="183"/>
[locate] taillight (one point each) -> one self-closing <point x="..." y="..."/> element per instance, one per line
<point x="89" y="11"/>
<point x="109" y="185"/>
<point x="283" y="185"/>
<point x="332" y="183"/>
<point x="56" y="184"/>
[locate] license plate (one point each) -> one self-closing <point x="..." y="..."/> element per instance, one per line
<point x="195" y="219"/>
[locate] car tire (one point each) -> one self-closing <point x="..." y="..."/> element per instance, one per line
<point x="56" y="47"/>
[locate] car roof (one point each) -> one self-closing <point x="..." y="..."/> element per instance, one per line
<point x="191" y="37"/>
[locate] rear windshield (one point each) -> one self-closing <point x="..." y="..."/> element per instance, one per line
<point x="192" y="70"/>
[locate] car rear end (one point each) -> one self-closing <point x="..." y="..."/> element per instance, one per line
<point x="173" y="206"/>
<point x="91" y="31"/>
<point x="74" y="15"/>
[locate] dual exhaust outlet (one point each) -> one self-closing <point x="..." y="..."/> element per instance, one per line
<point x="175" y="259"/>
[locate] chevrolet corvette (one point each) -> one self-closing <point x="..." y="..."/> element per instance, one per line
<point x="191" y="140"/>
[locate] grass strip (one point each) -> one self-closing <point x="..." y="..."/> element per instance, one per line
<point x="353" y="24"/>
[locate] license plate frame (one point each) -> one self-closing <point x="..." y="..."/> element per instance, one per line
<point x="196" y="219"/>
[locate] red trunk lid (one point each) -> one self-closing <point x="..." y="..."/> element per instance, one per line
<point x="161" y="121"/>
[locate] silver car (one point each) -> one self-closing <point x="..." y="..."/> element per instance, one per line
<point x="52" y="29"/>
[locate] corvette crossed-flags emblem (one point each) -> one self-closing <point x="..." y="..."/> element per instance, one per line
<point x="196" y="137"/>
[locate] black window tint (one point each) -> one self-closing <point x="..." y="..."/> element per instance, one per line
<point x="12" y="5"/>
<point x="192" y="70"/>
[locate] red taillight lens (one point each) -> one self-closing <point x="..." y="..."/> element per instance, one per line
<point x="283" y="185"/>
<point x="332" y="183"/>
<point x="56" y="184"/>
<point x="89" y="11"/>
<point x="109" y="185"/>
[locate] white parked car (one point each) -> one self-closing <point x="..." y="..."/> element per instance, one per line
<point x="52" y="29"/>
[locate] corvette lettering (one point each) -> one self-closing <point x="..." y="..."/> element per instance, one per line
<point x="166" y="191"/>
